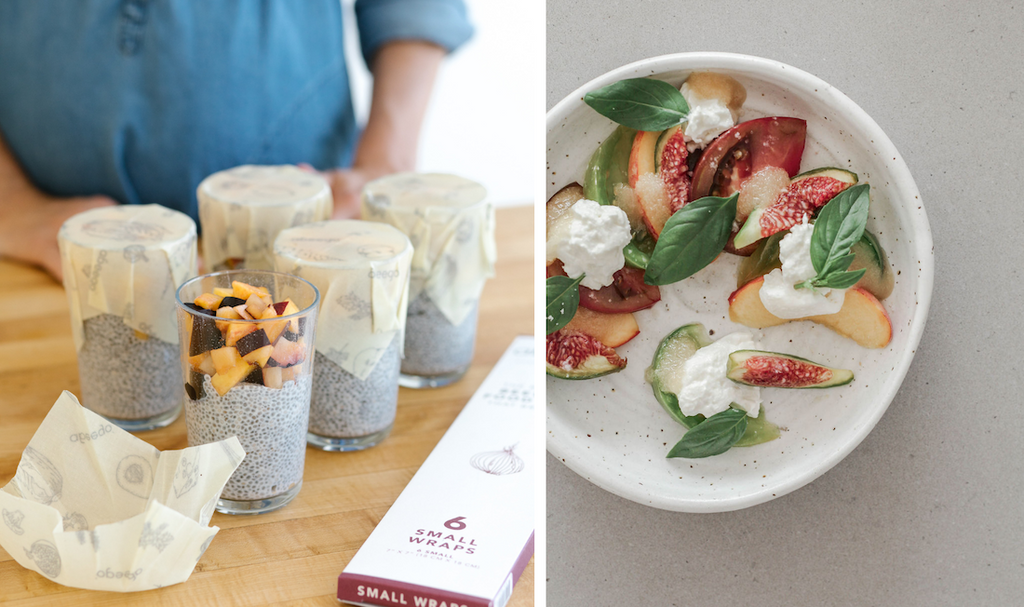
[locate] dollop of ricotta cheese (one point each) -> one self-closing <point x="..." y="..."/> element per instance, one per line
<point x="703" y="387"/>
<point x="779" y="294"/>
<point x="709" y="117"/>
<point x="592" y="242"/>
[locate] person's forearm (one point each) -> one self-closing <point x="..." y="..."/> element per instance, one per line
<point x="403" y="77"/>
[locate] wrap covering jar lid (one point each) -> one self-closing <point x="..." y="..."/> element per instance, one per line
<point x="127" y="261"/>
<point x="451" y="226"/>
<point x="362" y="271"/>
<point x="241" y="211"/>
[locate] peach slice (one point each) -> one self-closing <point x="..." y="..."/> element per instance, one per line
<point x="225" y="358"/>
<point x="242" y="290"/>
<point x="224" y="381"/>
<point x="238" y="330"/>
<point x="272" y="377"/>
<point x="612" y="330"/>
<point x="208" y="301"/>
<point x="862" y="318"/>
<point x="203" y="363"/>
<point x="273" y="329"/>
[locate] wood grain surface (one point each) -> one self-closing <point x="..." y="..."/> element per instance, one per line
<point x="292" y="556"/>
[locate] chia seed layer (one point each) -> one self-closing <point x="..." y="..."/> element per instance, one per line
<point x="343" y="406"/>
<point x="433" y="345"/>
<point x="271" y="425"/>
<point x="124" y="377"/>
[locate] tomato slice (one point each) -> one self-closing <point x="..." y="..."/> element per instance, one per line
<point x="747" y="148"/>
<point x="627" y="294"/>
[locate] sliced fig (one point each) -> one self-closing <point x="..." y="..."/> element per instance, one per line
<point x="805" y="195"/>
<point x="670" y="157"/>
<point x="575" y="355"/>
<point x="627" y="293"/>
<point x="745" y="149"/>
<point x="775" y="370"/>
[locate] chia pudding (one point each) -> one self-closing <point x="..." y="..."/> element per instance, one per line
<point x="343" y="406"/>
<point x="124" y="376"/>
<point x="271" y="426"/>
<point x="433" y="345"/>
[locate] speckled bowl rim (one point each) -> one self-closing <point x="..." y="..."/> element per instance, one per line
<point x="809" y="86"/>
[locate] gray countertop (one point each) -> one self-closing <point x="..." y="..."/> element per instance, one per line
<point x="929" y="509"/>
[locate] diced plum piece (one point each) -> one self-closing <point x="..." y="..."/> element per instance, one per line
<point x="205" y="336"/>
<point x="231" y="302"/>
<point x="254" y="340"/>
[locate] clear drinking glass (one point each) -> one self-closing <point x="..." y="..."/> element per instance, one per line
<point x="250" y="377"/>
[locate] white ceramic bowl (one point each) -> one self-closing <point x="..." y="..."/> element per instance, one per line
<point x="611" y="430"/>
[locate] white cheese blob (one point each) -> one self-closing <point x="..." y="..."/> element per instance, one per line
<point x="778" y="293"/>
<point x="592" y="243"/>
<point x="703" y="387"/>
<point x="708" y="118"/>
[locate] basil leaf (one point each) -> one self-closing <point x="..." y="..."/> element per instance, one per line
<point x="840" y="280"/>
<point x="712" y="436"/>
<point x="839" y="226"/>
<point x="692" y="238"/>
<point x="640" y="103"/>
<point x="563" y="295"/>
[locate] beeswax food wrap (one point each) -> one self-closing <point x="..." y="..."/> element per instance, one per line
<point x="91" y="506"/>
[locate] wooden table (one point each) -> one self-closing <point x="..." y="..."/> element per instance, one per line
<point x="292" y="556"/>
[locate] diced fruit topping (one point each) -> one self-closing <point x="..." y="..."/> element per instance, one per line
<point x="272" y="377"/>
<point x="232" y="349"/>
<point x="208" y="301"/>
<point x="224" y="381"/>
<point x="775" y="370"/>
<point x="287" y="352"/>
<point x="260" y="356"/>
<point x="243" y="291"/>
<point x="575" y="355"/>
<point x="252" y="341"/>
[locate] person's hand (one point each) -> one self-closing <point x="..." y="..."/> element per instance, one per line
<point x="29" y="223"/>
<point x="347" y="186"/>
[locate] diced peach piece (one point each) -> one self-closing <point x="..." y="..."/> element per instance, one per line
<point x="862" y="317"/>
<point x="259" y="356"/>
<point x="272" y="377"/>
<point x="291" y="308"/>
<point x="203" y="363"/>
<point x="243" y="312"/>
<point x="225" y="358"/>
<point x="242" y="290"/>
<point x="238" y="330"/>
<point x="273" y="329"/>
<point x="224" y="381"/>
<point x="139" y="335"/>
<point x="228" y="313"/>
<point x="256" y="305"/>
<point x="290" y="373"/>
<point x="208" y="301"/>
<point x="287" y="352"/>
<point x="223" y="292"/>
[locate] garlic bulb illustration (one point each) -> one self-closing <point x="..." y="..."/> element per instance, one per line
<point x="498" y="463"/>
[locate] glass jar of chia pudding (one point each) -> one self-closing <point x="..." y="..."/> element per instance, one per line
<point x="451" y="226"/>
<point x="121" y="265"/>
<point x="361" y="269"/>
<point x="241" y="211"/>
<point x="247" y="362"/>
